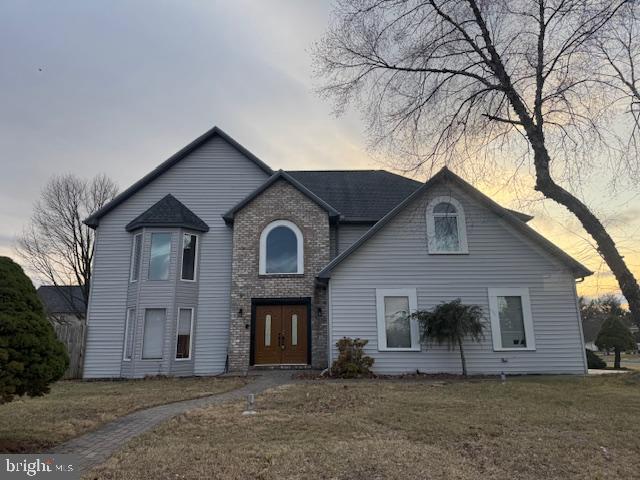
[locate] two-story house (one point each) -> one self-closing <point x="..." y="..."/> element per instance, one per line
<point x="213" y="262"/>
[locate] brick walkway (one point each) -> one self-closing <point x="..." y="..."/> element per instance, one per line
<point x="97" y="446"/>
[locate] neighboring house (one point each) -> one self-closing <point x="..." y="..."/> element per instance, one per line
<point x="65" y="309"/>
<point x="213" y="262"/>
<point x="63" y="304"/>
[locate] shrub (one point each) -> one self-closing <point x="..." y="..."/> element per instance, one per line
<point x="31" y="357"/>
<point x="351" y="361"/>
<point x="594" y="361"/>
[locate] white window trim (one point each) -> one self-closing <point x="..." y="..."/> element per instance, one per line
<point x="133" y="256"/>
<point x="263" y="247"/>
<point x="151" y="234"/>
<point x="462" y="227"/>
<point x="382" y="330"/>
<point x="190" y="334"/>
<point x="144" y="324"/>
<point x="133" y="333"/>
<point x="523" y="293"/>
<point x="195" y="258"/>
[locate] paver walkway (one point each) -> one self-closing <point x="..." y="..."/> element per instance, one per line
<point x="95" y="447"/>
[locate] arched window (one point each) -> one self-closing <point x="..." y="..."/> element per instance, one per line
<point x="446" y="227"/>
<point x="281" y="248"/>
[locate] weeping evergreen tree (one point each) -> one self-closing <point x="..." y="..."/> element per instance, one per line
<point x="450" y="323"/>
<point x="31" y="357"/>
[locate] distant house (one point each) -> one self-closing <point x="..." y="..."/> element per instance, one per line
<point x="65" y="308"/>
<point x="63" y="304"/>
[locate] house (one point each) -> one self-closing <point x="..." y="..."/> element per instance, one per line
<point x="65" y="308"/>
<point x="62" y="304"/>
<point x="213" y="262"/>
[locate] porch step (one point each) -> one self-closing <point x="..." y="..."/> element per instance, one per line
<point x="280" y="367"/>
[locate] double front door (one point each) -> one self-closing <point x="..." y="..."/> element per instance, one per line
<point x="281" y="334"/>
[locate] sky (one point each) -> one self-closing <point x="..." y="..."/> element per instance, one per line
<point x="117" y="87"/>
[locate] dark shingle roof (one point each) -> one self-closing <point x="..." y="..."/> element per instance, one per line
<point x="363" y="195"/>
<point x="168" y="212"/>
<point x="359" y="195"/>
<point x="62" y="299"/>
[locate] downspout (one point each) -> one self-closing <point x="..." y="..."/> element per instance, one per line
<point x="329" y="324"/>
<point x="579" y="317"/>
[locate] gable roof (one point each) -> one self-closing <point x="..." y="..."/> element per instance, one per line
<point x="362" y="196"/>
<point x="94" y="219"/>
<point x="281" y="175"/>
<point x="576" y="267"/>
<point x="168" y="212"/>
<point x="61" y="299"/>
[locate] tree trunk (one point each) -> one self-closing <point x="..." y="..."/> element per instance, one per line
<point x="464" y="360"/>
<point x="550" y="189"/>
<point x="616" y="361"/>
<point x="606" y="246"/>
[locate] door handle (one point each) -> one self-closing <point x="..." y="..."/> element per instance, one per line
<point x="281" y="341"/>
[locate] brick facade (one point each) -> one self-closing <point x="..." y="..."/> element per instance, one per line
<point x="281" y="201"/>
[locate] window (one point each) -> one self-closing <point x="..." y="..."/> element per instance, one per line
<point x="396" y="330"/>
<point x="511" y="321"/>
<point x="281" y="249"/>
<point x="446" y="227"/>
<point x="154" y="320"/>
<point x="294" y="329"/>
<point x="136" y="251"/>
<point x="159" y="257"/>
<point x="183" y="338"/>
<point x="129" y="329"/>
<point x="189" y="256"/>
<point x="267" y="331"/>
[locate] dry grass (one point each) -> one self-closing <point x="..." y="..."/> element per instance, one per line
<point x="528" y="428"/>
<point x="74" y="407"/>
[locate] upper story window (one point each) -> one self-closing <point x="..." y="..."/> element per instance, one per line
<point x="446" y="227"/>
<point x="511" y="320"/>
<point x="136" y="254"/>
<point x="159" y="256"/>
<point x="189" y="256"/>
<point x="281" y="249"/>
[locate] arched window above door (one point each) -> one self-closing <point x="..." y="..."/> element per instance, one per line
<point x="281" y="249"/>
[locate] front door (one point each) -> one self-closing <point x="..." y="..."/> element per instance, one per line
<point x="281" y="334"/>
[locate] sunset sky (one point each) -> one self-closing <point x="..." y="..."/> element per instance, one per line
<point x="117" y="87"/>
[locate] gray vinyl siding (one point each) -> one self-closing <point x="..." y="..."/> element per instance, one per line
<point x="348" y="233"/>
<point x="397" y="257"/>
<point x="209" y="181"/>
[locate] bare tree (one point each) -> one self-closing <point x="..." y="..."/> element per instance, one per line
<point x="446" y="81"/>
<point x="56" y="245"/>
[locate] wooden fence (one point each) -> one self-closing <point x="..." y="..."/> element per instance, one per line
<point x="72" y="335"/>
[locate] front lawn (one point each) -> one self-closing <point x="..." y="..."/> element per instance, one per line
<point x="75" y="407"/>
<point x="528" y="428"/>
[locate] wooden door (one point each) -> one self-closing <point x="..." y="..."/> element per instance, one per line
<point x="281" y="335"/>
<point x="268" y="341"/>
<point x="294" y="334"/>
